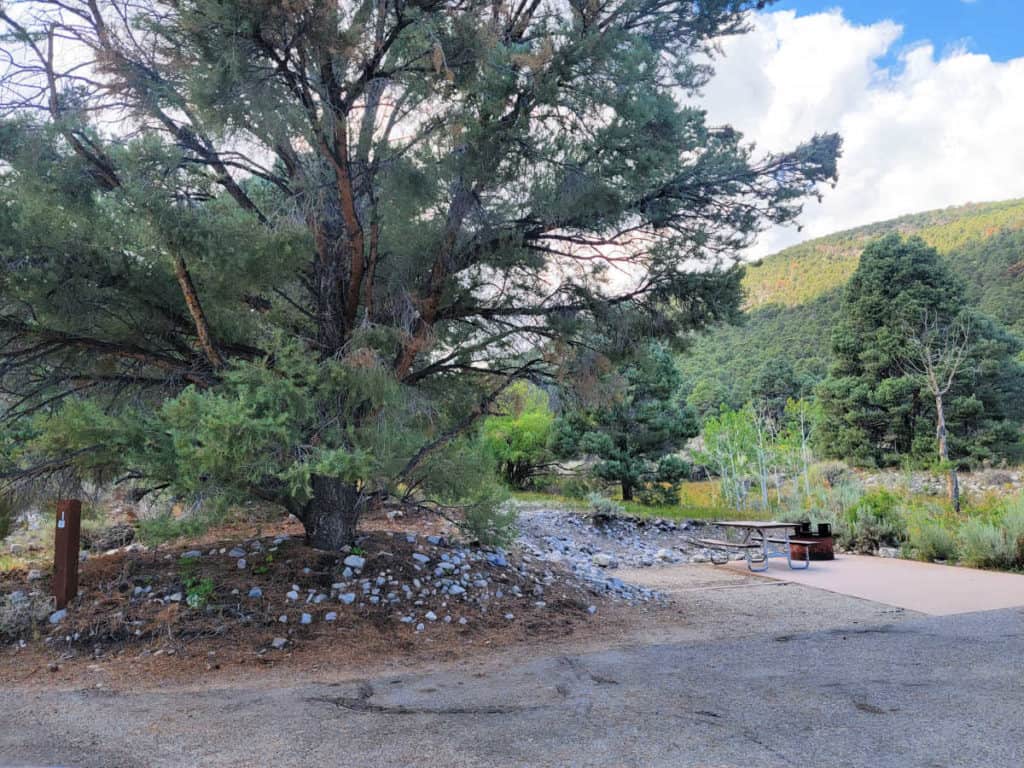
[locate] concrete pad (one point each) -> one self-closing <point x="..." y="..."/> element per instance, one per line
<point x="938" y="590"/>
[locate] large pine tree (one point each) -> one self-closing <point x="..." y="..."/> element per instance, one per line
<point x="296" y="249"/>
<point x="875" y="410"/>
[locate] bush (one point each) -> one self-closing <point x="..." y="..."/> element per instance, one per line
<point x="876" y="520"/>
<point x="982" y="545"/>
<point x="658" y="495"/>
<point x="490" y="524"/>
<point x="830" y="474"/>
<point x="163" y="528"/>
<point x="602" y="507"/>
<point x="931" y="540"/>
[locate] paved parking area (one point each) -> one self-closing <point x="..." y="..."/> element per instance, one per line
<point x="937" y="590"/>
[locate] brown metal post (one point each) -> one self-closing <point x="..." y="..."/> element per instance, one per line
<point x="65" y="551"/>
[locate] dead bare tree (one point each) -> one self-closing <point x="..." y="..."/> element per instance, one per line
<point x="935" y="355"/>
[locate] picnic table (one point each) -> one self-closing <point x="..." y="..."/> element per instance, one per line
<point x="758" y="541"/>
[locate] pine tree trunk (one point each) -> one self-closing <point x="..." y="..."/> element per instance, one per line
<point x="952" y="480"/>
<point x="627" y="491"/>
<point x="331" y="517"/>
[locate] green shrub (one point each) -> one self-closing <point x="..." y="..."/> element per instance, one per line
<point x="829" y="474"/>
<point x="876" y="520"/>
<point x="491" y="524"/>
<point x="658" y="494"/>
<point x="929" y="539"/>
<point x="164" y="528"/>
<point x="983" y="545"/>
<point x="603" y="507"/>
<point x="1012" y="524"/>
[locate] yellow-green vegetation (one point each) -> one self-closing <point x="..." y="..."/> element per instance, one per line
<point x="809" y="270"/>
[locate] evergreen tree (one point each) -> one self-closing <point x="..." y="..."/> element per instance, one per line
<point x="873" y="411"/>
<point x="294" y="250"/>
<point x="634" y="435"/>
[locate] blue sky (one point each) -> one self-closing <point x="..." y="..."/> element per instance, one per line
<point x="924" y="127"/>
<point x="992" y="27"/>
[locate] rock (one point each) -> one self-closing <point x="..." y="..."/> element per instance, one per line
<point x="237" y="552"/>
<point x="603" y="560"/>
<point x="435" y="540"/>
<point x="255" y="592"/>
<point x="283" y="618"/>
<point x="241" y="563"/>
<point x="419" y="557"/>
<point x="355" y="562"/>
<point x="175" y="598"/>
<point x="430" y="616"/>
<point x="665" y="554"/>
<point x="192" y="553"/>
<point x="58" y="616"/>
<point x="699" y="558"/>
<point x="889" y="552"/>
<point x="16" y="549"/>
<point x="35" y="575"/>
<point x="278" y="643"/>
<point x="348" y="598"/>
<point x="498" y="559"/>
<point x="331" y="616"/>
<point x="305" y="619"/>
<point x="591" y="609"/>
<point x="293" y="595"/>
<point x="420" y="627"/>
<point x="510" y="616"/>
<point x="455" y="589"/>
<point x="463" y="620"/>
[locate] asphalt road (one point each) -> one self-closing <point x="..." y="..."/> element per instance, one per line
<point x="940" y="691"/>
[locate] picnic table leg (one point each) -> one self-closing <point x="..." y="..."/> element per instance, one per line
<point x="764" y="553"/>
<point x="789" y="557"/>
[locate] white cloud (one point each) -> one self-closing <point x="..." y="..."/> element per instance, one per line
<point x="926" y="132"/>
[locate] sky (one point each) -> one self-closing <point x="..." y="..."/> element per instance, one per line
<point x="927" y="94"/>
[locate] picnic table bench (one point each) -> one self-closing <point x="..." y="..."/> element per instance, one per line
<point x="756" y="541"/>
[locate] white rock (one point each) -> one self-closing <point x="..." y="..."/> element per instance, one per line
<point x="430" y="616"/>
<point x="293" y="595"/>
<point x="348" y="598"/>
<point x="278" y="643"/>
<point x="241" y="563"/>
<point x="602" y="559"/>
<point x="330" y="616"/>
<point x="355" y="562"/>
<point x="58" y="616"/>
<point x="306" y="619"/>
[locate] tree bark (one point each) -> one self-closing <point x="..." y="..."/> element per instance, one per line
<point x="331" y="516"/>
<point x="952" y="480"/>
<point x="627" y="491"/>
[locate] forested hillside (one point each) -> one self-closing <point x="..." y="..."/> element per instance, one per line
<point x="792" y="298"/>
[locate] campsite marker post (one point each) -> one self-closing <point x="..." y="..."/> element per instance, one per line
<point x="66" y="543"/>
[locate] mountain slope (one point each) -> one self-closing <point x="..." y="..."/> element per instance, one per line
<point x="793" y="296"/>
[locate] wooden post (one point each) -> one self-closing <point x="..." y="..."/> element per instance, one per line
<point x="65" y="551"/>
